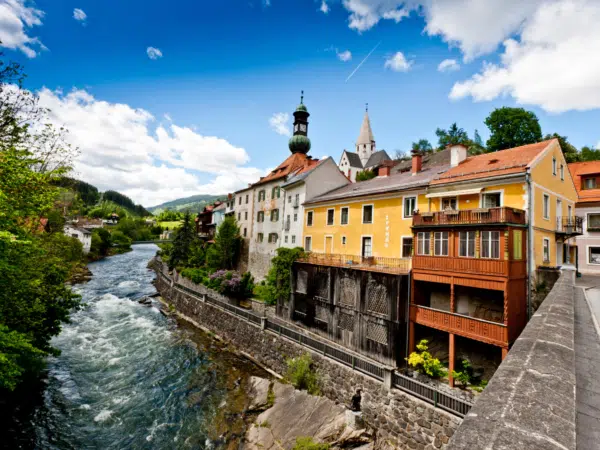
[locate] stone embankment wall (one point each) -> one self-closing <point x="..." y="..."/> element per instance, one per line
<point x="400" y="419"/>
<point x="530" y="401"/>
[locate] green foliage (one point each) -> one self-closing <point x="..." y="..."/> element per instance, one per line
<point x="270" y="397"/>
<point x="16" y="354"/>
<point x="422" y="145"/>
<point x="197" y="255"/>
<point x="302" y="375"/>
<point x="226" y="282"/>
<point x="184" y="237"/>
<point x="278" y="279"/>
<point x="104" y="209"/>
<point x="66" y="248"/>
<point x="424" y="362"/>
<point x="125" y="202"/>
<point x="365" y="175"/>
<point x="228" y="243"/>
<point x="169" y="216"/>
<point x="193" y="204"/>
<point x="512" y="127"/>
<point x="119" y="238"/>
<point x="307" y="443"/>
<point x="101" y="243"/>
<point x="476" y="147"/>
<point x="452" y="136"/>
<point x="569" y="150"/>
<point x="89" y="194"/>
<point x="156" y="230"/>
<point x="261" y="292"/>
<point x="463" y="376"/>
<point x="589" y="154"/>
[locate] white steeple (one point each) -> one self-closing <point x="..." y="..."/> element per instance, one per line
<point x="365" y="144"/>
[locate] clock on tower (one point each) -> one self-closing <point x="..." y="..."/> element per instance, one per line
<point x="300" y="143"/>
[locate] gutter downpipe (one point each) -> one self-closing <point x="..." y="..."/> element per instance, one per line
<point x="530" y="241"/>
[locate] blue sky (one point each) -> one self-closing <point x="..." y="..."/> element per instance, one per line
<point x="196" y="118"/>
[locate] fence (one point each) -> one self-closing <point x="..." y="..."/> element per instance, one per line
<point x="359" y="363"/>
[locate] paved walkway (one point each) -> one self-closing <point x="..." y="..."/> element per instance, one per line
<point x="587" y="361"/>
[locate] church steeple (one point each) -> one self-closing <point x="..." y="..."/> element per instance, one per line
<point x="300" y="143"/>
<point x="365" y="144"/>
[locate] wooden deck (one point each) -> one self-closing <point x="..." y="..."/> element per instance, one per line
<point x="479" y="216"/>
<point x="474" y="266"/>
<point x="398" y="266"/>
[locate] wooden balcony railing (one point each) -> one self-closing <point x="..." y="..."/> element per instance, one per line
<point x="478" y="266"/>
<point x="569" y="225"/>
<point x="479" y="216"/>
<point x="469" y="327"/>
<point x="372" y="263"/>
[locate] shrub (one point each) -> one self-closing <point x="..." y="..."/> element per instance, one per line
<point x="365" y="175"/>
<point x="278" y="279"/>
<point x="302" y="375"/>
<point x="464" y="376"/>
<point x="119" y="238"/>
<point x="307" y="443"/>
<point x="424" y="363"/>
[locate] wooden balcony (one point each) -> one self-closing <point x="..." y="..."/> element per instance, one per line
<point x="476" y="266"/>
<point x="469" y="327"/>
<point x="479" y="216"/>
<point x="398" y="266"/>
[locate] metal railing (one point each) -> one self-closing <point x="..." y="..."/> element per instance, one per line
<point x="476" y="216"/>
<point x="569" y="225"/>
<point x="357" y="362"/>
<point x="368" y="263"/>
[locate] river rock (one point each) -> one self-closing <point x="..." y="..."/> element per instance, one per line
<point x="295" y="414"/>
<point x="259" y="393"/>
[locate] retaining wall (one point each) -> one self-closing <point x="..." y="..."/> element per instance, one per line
<point x="399" y="418"/>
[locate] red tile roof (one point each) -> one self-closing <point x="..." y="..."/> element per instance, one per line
<point x="503" y="162"/>
<point x="578" y="171"/>
<point x="295" y="162"/>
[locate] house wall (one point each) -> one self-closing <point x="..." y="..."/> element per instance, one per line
<point x="243" y="210"/>
<point x="84" y="238"/>
<point x="293" y="237"/>
<point x="347" y="169"/>
<point x="587" y="240"/>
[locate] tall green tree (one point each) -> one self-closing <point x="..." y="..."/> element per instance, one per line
<point x="589" y="154"/>
<point x="512" y="127"/>
<point x="477" y="147"/>
<point x="422" y="145"/>
<point x="569" y="150"/>
<point x="452" y="136"/>
<point x="224" y="254"/>
<point x="184" y="236"/>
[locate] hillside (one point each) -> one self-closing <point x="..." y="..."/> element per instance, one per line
<point x="194" y="204"/>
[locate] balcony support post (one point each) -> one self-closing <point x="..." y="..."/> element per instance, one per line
<point x="451" y="359"/>
<point x="452" y="297"/>
<point x="411" y="337"/>
<point x="504" y="352"/>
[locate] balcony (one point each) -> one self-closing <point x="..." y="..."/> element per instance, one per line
<point x="476" y="266"/>
<point x="296" y="203"/>
<point x="479" y="216"/>
<point x="569" y="226"/>
<point x="469" y="327"/>
<point x="357" y="262"/>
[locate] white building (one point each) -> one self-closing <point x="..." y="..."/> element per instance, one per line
<point x="302" y="186"/>
<point x="81" y="234"/>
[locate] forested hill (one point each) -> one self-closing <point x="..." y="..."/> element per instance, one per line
<point x="194" y="204"/>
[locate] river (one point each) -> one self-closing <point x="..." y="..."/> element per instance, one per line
<point x="130" y="378"/>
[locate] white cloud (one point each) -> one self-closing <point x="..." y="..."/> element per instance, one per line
<point x="345" y="56"/>
<point x="555" y="64"/>
<point x="324" y="7"/>
<point x="280" y="123"/>
<point x="154" y="53"/>
<point x="448" y="65"/>
<point x="168" y="117"/>
<point x="79" y="15"/>
<point x="398" y="63"/>
<point x="123" y="149"/>
<point x="15" y="20"/>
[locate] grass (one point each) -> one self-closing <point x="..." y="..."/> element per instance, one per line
<point x="307" y="443"/>
<point x="171" y="225"/>
<point x="260" y="292"/>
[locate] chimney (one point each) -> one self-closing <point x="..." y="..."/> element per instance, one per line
<point x="417" y="161"/>
<point x="384" y="171"/>
<point x="458" y="153"/>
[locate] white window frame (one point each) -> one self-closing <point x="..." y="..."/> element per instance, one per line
<point x="420" y="239"/>
<point x="362" y="239"/>
<point x="588" y="251"/>
<point x="546" y="248"/>
<point x="327" y="217"/>
<point x="467" y="246"/>
<point x="498" y="191"/>
<point x="293" y="238"/>
<point x="309" y="240"/>
<point x="310" y="213"/>
<point x="490" y="241"/>
<point x="372" y="205"/>
<point x="404" y="212"/>
<point x="554" y="165"/>
<point x="348" y="216"/>
<point x="546" y="206"/>
<point x="441" y="240"/>
<point x="409" y="236"/>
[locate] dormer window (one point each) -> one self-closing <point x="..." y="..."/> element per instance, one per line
<point x="589" y="183"/>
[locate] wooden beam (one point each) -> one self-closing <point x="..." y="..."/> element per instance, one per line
<point x="451" y="360"/>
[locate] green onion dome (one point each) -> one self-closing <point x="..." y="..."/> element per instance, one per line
<point x="299" y="144"/>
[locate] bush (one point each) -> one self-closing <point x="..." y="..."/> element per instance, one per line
<point x="365" y="175"/>
<point x="301" y="374"/>
<point x="278" y="279"/>
<point x="307" y="443"/>
<point x="119" y="238"/>
<point x="464" y="376"/>
<point x="424" y="363"/>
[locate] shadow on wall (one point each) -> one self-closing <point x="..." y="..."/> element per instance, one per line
<point x="545" y="279"/>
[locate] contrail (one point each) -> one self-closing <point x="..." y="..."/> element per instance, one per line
<point x="362" y="62"/>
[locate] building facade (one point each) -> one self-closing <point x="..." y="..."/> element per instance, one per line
<point x="81" y="234"/>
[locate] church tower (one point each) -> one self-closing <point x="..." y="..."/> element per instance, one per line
<point x="299" y="142"/>
<point x="365" y="144"/>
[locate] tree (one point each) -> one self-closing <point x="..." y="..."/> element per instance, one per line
<point x="476" y="147"/>
<point x="401" y="155"/>
<point x="184" y="236"/>
<point x="225" y="252"/>
<point x="452" y="136"/>
<point x="365" y="175"/>
<point x="422" y="145"/>
<point x="589" y="154"/>
<point x="569" y="150"/>
<point x="278" y="279"/>
<point x="512" y="127"/>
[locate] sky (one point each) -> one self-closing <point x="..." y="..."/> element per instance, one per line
<point x="171" y="99"/>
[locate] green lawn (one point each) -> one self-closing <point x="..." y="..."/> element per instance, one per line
<point x="171" y="225"/>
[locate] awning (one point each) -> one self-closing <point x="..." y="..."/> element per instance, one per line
<point x="454" y="193"/>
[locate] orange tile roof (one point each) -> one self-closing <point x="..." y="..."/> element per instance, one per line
<point x="578" y="170"/>
<point x="503" y="162"/>
<point x="295" y="162"/>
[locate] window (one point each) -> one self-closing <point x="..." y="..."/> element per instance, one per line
<point x="423" y="239"/>
<point x="289" y="199"/>
<point x="517" y="244"/>
<point x="261" y="196"/>
<point x="593" y="222"/>
<point x="562" y="172"/>
<point x="344" y="215"/>
<point x="275" y="215"/>
<point x="490" y="244"/>
<point x="589" y="183"/>
<point x="546" y="206"/>
<point x="260" y="216"/>
<point x="343" y="240"/>
<point x="367" y="247"/>
<point x="285" y="239"/>
<point x="295" y="217"/>
<point x="246" y="215"/>
<point x="440" y="247"/>
<point x="491" y="200"/>
<point x="297" y="200"/>
<point x="546" y="250"/>
<point x="272" y="238"/>
<point x="448" y="203"/>
<point x="240" y="202"/>
<point x="247" y="196"/>
<point x="309" y="219"/>
<point x="594" y="255"/>
<point x="275" y="192"/>
<point x="407" y="247"/>
<point x="293" y="239"/>
<point x="239" y="216"/>
<point x="367" y="213"/>
<point x="259" y="237"/>
<point x="308" y="243"/>
<point x="410" y="204"/>
<point x="287" y="222"/>
<point x="330" y="216"/>
<point x="553" y="166"/>
<point x="569" y="210"/>
<point x="466" y="244"/>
